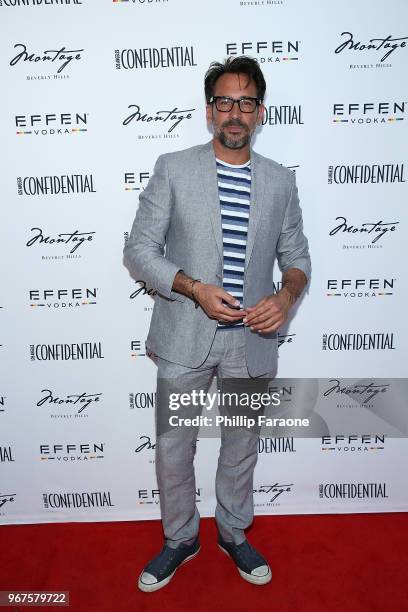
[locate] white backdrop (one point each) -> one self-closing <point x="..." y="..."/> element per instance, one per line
<point x="73" y="74"/>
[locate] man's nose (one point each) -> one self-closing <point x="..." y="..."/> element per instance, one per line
<point x="235" y="110"/>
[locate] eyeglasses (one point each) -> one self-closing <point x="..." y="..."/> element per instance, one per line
<point x="224" y="104"/>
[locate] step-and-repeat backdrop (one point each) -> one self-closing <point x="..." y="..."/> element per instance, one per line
<point x="92" y="92"/>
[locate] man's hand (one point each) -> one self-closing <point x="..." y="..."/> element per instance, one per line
<point x="210" y="298"/>
<point x="269" y="313"/>
<point x="272" y="311"/>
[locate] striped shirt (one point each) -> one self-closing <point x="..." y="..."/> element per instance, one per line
<point x="234" y="188"/>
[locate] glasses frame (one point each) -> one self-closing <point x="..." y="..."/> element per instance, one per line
<point x="213" y="100"/>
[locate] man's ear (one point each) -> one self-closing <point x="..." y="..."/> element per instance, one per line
<point x="261" y="112"/>
<point x="208" y="112"/>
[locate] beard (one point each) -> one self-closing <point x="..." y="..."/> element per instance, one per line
<point x="233" y="141"/>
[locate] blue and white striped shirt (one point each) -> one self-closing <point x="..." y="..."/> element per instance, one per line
<point x="234" y="188"/>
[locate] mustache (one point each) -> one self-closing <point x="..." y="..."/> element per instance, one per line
<point x="234" y="123"/>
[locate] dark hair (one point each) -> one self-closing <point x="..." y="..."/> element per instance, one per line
<point x="237" y="65"/>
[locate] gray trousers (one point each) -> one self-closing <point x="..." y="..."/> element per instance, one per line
<point x="175" y="453"/>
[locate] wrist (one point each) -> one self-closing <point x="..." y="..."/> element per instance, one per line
<point x="288" y="297"/>
<point x="194" y="290"/>
<point x="198" y="290"/>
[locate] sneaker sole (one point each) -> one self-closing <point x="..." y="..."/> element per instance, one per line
<point x="149" y="588"/>
<point x="248" y="577"/>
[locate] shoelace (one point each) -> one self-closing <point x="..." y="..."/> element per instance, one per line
<point x="170" y="557"/>
<point x="250" y="554"/>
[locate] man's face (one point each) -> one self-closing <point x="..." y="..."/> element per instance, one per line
<point x="234" y="129"/>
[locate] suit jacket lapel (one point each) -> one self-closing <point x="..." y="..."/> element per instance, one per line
<point x="210" y="190"/>
<point x="256" y="201"/>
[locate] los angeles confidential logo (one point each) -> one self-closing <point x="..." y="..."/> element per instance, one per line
<point x="366" y="173"/>
<point x="37" y="3"/>
<point x="288" y="114"/>
<point x="353" y="490"/>
<point x="66" y="352"/>
<point x="55" y="184"/>
<point x="153" y="57"/>
<point x="374" y="341"/>
<point x="77" y="499"/>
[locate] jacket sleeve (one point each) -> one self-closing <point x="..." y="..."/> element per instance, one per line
<point x="292" y="248"/>
<point x="144" y="252"/>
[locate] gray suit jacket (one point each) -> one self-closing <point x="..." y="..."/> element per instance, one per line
<point x="178" y="226"/>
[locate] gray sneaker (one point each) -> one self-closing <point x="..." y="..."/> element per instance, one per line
<point x="160" y="570"/>
<point x="250" y="564"/>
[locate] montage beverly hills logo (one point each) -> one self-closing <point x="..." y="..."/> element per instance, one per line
<point x="371" y="233"/>
<point x="376" y="52"/>
<point x="69" y="405"/>
<point x="251" y="4"/>
<point x="52" y="63"/>
<point x="5" y="500"/>
<point x="142" y="288"/>
<point x="59" y="245"/>
<point x="156" y="123"/>
<point x="271" y="494"/>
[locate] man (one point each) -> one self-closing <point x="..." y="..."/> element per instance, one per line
<point x="209" y="226"/>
